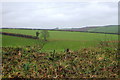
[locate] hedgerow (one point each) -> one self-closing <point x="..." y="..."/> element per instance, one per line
<point x="84" y="63"/>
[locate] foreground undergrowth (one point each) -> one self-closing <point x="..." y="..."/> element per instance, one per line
<point x="85" y="63"/>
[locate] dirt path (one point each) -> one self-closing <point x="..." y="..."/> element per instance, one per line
<point x="19" y="35"/>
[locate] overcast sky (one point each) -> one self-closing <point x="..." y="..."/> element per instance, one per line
<point x="58" y="14"/>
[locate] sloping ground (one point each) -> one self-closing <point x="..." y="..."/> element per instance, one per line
<point x="79" y="29"/>
<point x="97" y="29"/>
<point x="18" y="41"/>
<point x="58" y="40"/>
<point x="19" y="35"/>
<point x="21" y="31"/>
<point x="106" y="29"/>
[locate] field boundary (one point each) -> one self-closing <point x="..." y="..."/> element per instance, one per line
<point x="87" y="32"/>
<point x="66" y="30"/>
<point x="19" y="35"/>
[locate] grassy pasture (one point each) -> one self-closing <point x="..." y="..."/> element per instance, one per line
<point x="59" y="40"/>
<point x="17" y="41"/>
<point x="20" y="31"/>
<point x="111" y="29"/>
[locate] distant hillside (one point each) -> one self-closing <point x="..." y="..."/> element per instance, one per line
<point x="83" y="29"/>
<point x="79" y="29"/>
<point x="107" y="29"/>
<point x="98" y="29"/>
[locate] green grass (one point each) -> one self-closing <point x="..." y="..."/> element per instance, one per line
<point x="111" y="29"/>
<point x="21" y="31"/>
<point x="17" y="41"/>
<point x="62" y="45"/>
<point x="75" y="40"/>
<point x="59" y="40"/>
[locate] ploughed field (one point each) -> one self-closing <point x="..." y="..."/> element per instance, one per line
<point x="58" y="40"/>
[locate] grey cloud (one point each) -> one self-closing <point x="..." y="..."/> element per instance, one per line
<point x="54" y="14"/>
<point x="0" y="14"/>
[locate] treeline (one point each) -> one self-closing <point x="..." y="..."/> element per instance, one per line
<point x="89" y="32"/>
<point x="19" y="35"/>
<point x="65" y="30"/>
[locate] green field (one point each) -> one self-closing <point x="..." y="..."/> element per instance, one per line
<point x="58" y="40"/>
<point x="110" y="29"/>
<point x="21" y="31"/>
<point x="17" y="41"/>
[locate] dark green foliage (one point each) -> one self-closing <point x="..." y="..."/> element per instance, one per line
<point x="37" y="34"/>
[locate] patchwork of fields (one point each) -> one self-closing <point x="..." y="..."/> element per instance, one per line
<point x="58" y="40"/>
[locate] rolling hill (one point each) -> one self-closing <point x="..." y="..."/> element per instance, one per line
<point x="106" y="29"/>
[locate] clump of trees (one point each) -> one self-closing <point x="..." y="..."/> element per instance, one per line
<point x="37" y="34"/>
<point x="44" y="34"/>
